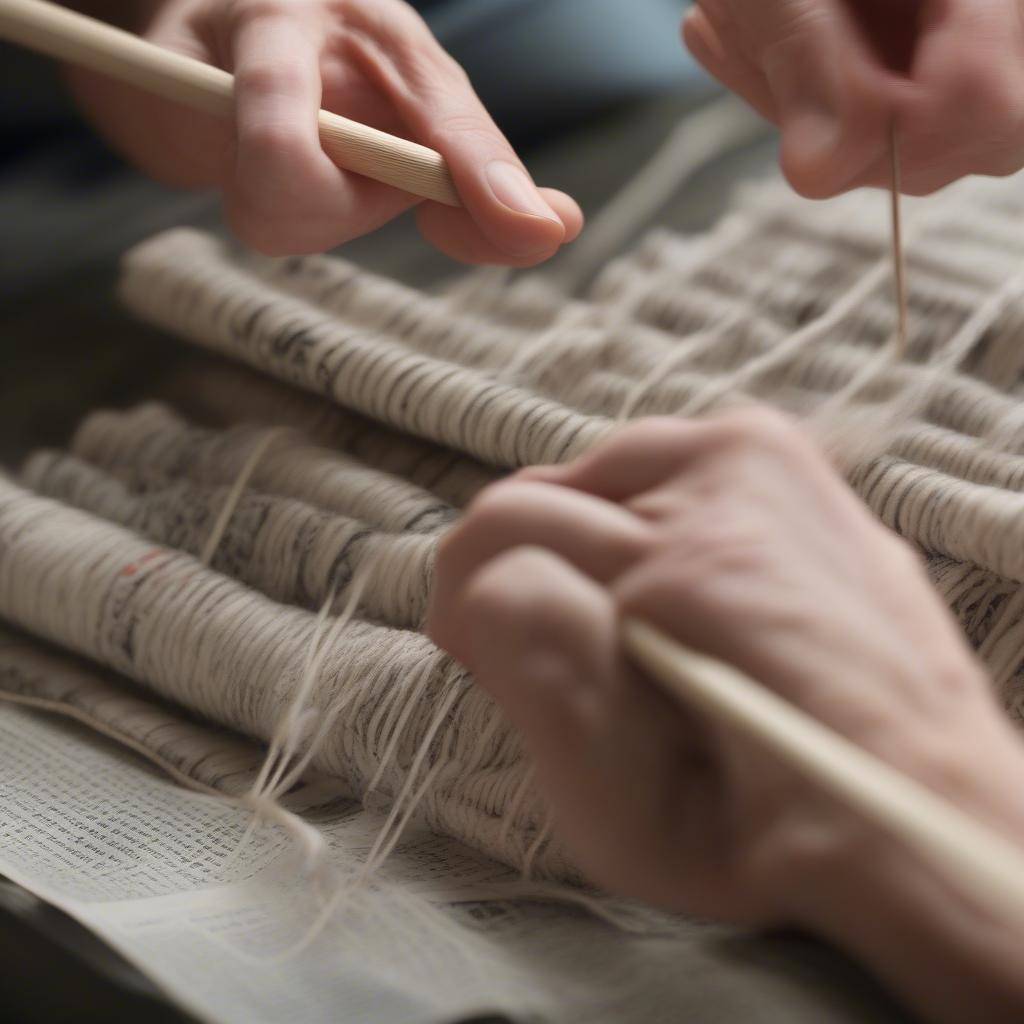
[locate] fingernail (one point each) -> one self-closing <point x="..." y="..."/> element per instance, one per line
<point x="513" y="187"/>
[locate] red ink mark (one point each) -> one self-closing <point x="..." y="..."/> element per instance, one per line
<point x="133" y="567"/>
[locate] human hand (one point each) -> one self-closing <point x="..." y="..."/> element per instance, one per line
<point x="836" y="74"/>
<point x="735" y="536"/>
<point x="374" y="61"/>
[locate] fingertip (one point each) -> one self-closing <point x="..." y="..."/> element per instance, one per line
<point x="457" y="235"/>
<point x="568" y="211"/>
<point x="511" y="212"/>
<point x="815" y="159"/>
<point x="526" y="238"/>
<point x="533" y="239"/>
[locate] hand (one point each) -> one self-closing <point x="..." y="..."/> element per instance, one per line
<point x="735" y="536"/>
<point x="835" y="74"/>
<point x="371" y="60"/>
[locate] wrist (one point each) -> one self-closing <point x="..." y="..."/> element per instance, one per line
<point x="898" y="913"/>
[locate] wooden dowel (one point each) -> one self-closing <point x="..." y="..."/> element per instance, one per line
<point x="78" y="39"/>
<point x="979" y="861"/>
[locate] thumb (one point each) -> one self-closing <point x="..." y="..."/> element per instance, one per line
<point x="823" y="78"/>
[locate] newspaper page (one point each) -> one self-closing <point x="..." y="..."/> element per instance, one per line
<point x="222" y="917"/>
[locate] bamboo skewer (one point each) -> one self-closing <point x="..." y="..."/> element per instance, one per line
<point x="78" y="39"/>
<point x="899" y="262"/>
<point x="983" y="864"/>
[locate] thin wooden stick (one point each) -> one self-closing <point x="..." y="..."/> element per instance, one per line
<point x="92" y="44"/>
<point x="984" y="864"/>
<point x="899" y="262"/>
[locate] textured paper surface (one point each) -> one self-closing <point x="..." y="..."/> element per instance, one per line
<point x="153" y="870"/>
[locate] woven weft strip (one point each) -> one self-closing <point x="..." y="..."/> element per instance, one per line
<point x="420" y="400"/>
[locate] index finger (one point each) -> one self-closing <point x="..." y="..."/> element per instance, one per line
<point x="638" y="457"/>
<point x="436" y="100"/>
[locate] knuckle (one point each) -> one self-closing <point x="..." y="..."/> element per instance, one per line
<point x="657" y="585"/>
<point x="507" y="587"/>
<point x="786" y="33"/>
<point x="1006" y="103"/>
<point x="687" y="572"/>
<point x="981" y="82"/>
<point x="511" y="593"/>
<point x="465" y="124"/>
<point x="488" y="598"/>
<point x="988" y="98"/>
<point x="492" y="514"/>
<point x="275" y="182"/>
<point x="635" y="546"/>
<point x="393" y="22"/>
<point x="239" y="13"/>
<point x="732" y="542"/>
<point x="269" y="78"/>
<point x="654" y="430"/>
<point x="636" y="439"/>
<point x="424" y="61"/>
<point x="497" y="505"/>
<point x="399" y="38"/>
<point x="452" y="70"/>
<point x="270" y="142"/>
<point x="761" y="428"/>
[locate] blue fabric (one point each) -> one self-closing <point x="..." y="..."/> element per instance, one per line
<point x="539" y="64"/>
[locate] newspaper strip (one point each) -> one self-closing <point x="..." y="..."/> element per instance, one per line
<point x="159" y="873"/>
